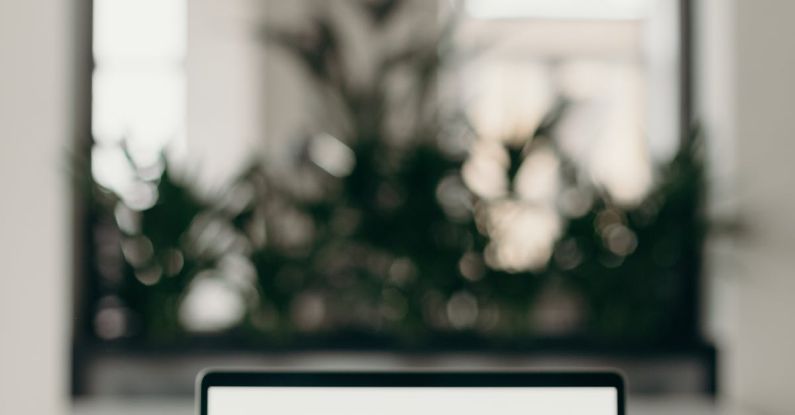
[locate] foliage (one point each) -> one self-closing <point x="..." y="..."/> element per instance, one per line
<point x="388" y="246"/>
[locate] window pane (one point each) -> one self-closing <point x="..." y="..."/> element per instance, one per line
<point x="139" y="29"/>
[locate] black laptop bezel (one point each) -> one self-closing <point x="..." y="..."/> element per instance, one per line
<point x="407" y="379"/>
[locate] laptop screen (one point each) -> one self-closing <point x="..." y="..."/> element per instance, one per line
<point x="331" y="400"/>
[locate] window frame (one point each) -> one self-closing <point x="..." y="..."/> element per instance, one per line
<point x="85" y="348"/>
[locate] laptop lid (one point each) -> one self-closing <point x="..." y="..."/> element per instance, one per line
<point x="409" y="393"/>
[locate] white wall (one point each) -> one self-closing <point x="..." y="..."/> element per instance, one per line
<point x="714" y="53"/>
<point x="747" y="88"/>
<point x="765" y="64"/>
<point x="35" y="124"/>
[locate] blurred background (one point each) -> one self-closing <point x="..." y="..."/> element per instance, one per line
<point x="392" y="184"/>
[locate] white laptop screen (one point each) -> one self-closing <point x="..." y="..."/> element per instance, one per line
<point x="233" y="400"/>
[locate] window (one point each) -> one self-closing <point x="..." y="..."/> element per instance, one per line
<point x="524" y="189"/>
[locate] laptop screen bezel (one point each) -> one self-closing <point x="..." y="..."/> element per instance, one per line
<point x="407" y="379"/>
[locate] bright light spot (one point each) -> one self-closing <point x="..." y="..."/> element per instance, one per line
<point x="621" y="161"/>
<point x="128" y="220"/>
<point x="485" y="172"/>
<point x="508" y="97"/>
<point x="538" y="180"/>
<point x="332" y="155"/>
<point x="212" y="304"/>
<point x="522" y="235"/>
<point x="111" y="169"/>
<point x="144" y="107"/>
<point x="140" y="196"/>
<point x="238" y="271"/>
<point x="559" y="9"/>
<point x="583" y="79"/>
<point x="140" y="29"/>
<point x="575" y="202"/>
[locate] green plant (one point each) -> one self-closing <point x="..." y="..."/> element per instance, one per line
<point x="375" y="234"/>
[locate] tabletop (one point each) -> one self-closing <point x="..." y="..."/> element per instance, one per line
<point x="635" y="406"/>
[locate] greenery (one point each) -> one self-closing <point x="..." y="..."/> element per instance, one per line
<point x="391" y="246"/>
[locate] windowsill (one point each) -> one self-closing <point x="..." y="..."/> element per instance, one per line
<point x="655" y="374"/>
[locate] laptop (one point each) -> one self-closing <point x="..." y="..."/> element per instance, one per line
<point x="409" y="393"/>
